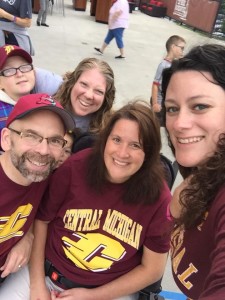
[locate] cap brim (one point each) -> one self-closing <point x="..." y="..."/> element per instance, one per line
<point x="66" y="117"/>
<point x="18" y="52"/>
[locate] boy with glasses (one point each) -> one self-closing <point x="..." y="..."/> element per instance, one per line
<point x="18" y="78"/>
<point x="174" y="47"/>
<point x="32" y="140"/>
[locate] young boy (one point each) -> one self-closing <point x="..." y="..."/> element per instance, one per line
<point x="18" y="77"/>
<point x="174" y="47"/>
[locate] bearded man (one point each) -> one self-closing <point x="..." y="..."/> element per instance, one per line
<point x="32" y="140"/>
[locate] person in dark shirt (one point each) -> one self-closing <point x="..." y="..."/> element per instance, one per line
<point x="15" y="18"/>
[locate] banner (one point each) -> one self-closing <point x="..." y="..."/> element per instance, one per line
<point x="181" y="9"/>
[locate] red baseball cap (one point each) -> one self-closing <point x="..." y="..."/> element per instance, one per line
<point x="11" y="50"/>
<point x="35" y="102"/>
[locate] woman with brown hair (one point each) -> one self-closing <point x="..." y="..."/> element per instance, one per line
<point x="88" y="93"/>
<point x="194" y="100"/>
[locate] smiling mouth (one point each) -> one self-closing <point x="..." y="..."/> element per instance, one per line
<point x="190" y="140"/>
<point x="84" y="103"/>
<point x="38" y="164"/>
<point x="120" y="163"/>
<point x="24" y="81"/>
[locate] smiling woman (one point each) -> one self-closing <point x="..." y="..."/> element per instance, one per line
<point x="88" y="93"/>
<point x="194" y="103"/>
<point x="123" y="153"/>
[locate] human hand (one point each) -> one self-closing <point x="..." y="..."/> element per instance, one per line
<point x="76" y="293"/>
<point x="156" y="107"/>
<point x="18" y="256"/>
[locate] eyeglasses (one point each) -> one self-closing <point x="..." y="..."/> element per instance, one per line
<point x="181" y="47"/>
<point x="33" y="139"/>
<point x="12" y="71"/>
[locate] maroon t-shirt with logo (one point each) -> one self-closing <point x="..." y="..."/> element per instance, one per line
<point x="93" y="237"/>
<point x="18" y="207"/>
<point x="198" y="255"/>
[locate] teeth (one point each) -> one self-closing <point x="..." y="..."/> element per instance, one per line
<point x="120" y="163"/>
<point x="85" y="103"/>
<point x="37" y="163"/>
<point x="190" y="140"/>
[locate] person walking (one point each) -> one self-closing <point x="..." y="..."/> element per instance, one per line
<point x="118" y="22"/>
<point x="42" y="14"/>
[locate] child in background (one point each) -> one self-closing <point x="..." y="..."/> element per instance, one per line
<point x="174" y="47"/>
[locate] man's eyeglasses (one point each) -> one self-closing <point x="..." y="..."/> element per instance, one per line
<point x="33" y="139"/>
<point x="181" y="47"/>
<point x="12" y="71"/>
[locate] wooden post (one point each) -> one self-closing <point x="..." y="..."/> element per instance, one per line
<point x="102" y="11"/>
<point x="35" y="6"/>
<point x="79" y="5"/>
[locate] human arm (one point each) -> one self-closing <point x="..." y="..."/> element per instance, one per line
<point x="116" y="14"/>
<point x="148" y="272"/>
<point x="46" y="81"/>
<point x="113" y="17"/>
<point x="23" y="22"/>
<point x="19" y="255"/>
<point x="38" y="289"/>
<point x="156" y="107"/>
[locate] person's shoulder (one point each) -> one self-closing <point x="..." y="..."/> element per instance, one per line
<point x="166" y="63"/>
<point x="39" y="72"/>
<point x="47" y="81"/>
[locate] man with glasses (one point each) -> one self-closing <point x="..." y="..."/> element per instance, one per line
<point x="32" y="140"/>
<point x="18" y="78"/>
<point x="174" y="47"/>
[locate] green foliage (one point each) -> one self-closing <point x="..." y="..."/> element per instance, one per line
<point x="222" y="6"/>
<point x="223" y="26"/>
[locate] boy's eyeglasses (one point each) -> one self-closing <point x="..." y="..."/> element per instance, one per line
<point x="33" y="139"/>
<point x="12" y="71"/>
<point x="181" y="47"/>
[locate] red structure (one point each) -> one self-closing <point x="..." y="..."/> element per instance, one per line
<point x="200" y="14"/>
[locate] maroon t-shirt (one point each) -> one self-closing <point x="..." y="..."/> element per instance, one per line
<point x="18" y="207"/>
<point x="198" y="255"/>
<point x="93" y="237"/>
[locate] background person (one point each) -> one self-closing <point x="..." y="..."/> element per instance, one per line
<point x="42" y="14"/>
<point x="194" y="89"/>
<point x="174" y="47"/>
<point x="118" y="22"/>
<point x="104" y="228"/>
<point x="32" y="144"/>
<point x="67" y="149"/>
<point x="15" y="17"/>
